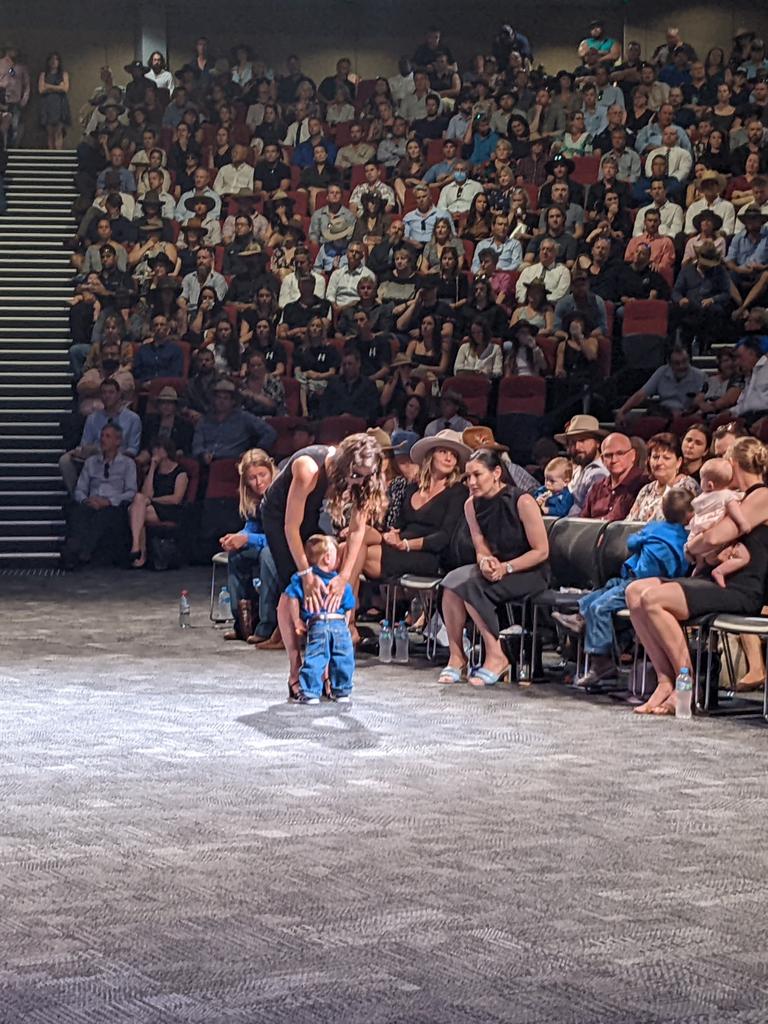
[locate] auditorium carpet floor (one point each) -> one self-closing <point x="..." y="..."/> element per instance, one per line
<point x="178" y="845"/>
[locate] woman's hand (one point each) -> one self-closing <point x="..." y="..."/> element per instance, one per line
<point x="489" y="566"/>
<point x="315" y="592"/>
<point x="334" y="593"/>
<point x="233" y="541"/>
<point x="392" y="539"/>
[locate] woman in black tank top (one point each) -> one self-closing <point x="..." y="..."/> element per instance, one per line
<point x="349" y="477"/>
<point x="657" y="608"/>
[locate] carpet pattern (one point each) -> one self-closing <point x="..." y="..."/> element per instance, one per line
<point x="178" y="845"/>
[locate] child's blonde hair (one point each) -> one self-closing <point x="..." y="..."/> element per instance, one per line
<point x="560" y="467"/>
<point x="318" y="544"/>
<point x="718" y="471"/>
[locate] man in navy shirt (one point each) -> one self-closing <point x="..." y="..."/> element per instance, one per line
<point x="159" y="357"/>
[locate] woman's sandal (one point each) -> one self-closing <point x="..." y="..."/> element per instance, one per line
<point x="451" y="674"/>
<point x="294" y="690"/>
<point x="486" y="677"/>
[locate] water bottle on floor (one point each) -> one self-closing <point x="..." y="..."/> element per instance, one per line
<point x="683" y="694"/>
<point x="385" y="642"/>
<point x="185" y="611"/>
<point x="401" y="643"/>
<point x="223" y="608"/>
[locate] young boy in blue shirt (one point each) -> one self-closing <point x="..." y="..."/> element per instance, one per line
<point x="329" y="644"/>
<point x="656" y="550"/>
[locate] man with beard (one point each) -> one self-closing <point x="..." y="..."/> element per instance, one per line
<point x="582" y="437"/>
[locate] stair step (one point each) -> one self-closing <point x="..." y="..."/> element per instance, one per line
<point x="27" y="531"/>
<point x="20" y="496"/>
<point x="45" y="547"/>
<point x="13" y="486"/>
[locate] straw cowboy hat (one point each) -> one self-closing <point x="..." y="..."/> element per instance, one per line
<point x="707" y="254"/>
<point x="401" y="359"/>
<point x="167" y="394"/>
<point x="482" y="437"/>
<point x="337" y="229"/>
<point x="712" y="176"/>
<point x="380" y="435"/>
<point x="580" y="427"/>
<point x="450" y="439"/>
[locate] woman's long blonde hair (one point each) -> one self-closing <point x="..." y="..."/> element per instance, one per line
<point x="425" y="476"/>
<point x="369" y="496"/>
<point x="249" y="502"/>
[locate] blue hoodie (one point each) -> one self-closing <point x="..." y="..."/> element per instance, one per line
<point x="656" y="550"/>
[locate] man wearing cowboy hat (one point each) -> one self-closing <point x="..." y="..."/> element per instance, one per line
<point x="708" y="226"/>
<point x="201" y="207"/>
<point x="581" y="437"/>
<point x="116" y="167"/>
<point x="236" y="175"/>
<point x="451" y="414"/>
<point x="134" y="90"/>
<point x="184" y="212"/>
<point x="482" y="437"/>
<point x="157" y="203"/>
<point x="227" y="432"/>
<point x="747" y="257"/>
<point x="165" y="422"/>
<point x="711" y="186"/>
<point x="701" y="297"/>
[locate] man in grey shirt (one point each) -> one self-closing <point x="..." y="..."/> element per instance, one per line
<point x="104" y="489"/>
<point x="673" y="387"/>
<point x="227" y="432"/>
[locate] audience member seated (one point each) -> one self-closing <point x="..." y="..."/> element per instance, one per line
<point x="672" y="389"/>
<point x="105" y="487"/>
<point x="701" y="299"/>
<point x="159" y="356"/>
<point x="478" y="353"/>
<point x="503" y="559"/>
<point x="665" y="461"/>
<point x="581" y="437"/>
<point x="555" y="276"/>
<point x="226" y="432"/>
<point x="165" y="424"/>
<point x="611" y="497"/>
<point x="350" y="393"/>
<point x="160" y="499"/>
<point x="452" y="415"/>
<point x="752" y="403"/>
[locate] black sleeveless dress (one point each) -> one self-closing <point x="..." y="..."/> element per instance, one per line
<point x="164" y="486"/>
<point x="275" y="501"/>
<point x="744" y="592"/>
<point x="504" y="534"/>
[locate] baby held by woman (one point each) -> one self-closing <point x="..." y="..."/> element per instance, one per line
<point x="716" y="502"/>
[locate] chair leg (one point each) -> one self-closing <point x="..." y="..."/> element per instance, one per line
<point x="213" y="591"/>
<point x="429" y="611"/>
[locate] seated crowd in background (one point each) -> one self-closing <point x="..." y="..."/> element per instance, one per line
<point x="443" y="247"/>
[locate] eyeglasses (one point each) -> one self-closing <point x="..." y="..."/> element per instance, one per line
<point x="610" y="456"/>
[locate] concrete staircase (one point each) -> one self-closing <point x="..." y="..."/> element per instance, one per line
<point x="35" y="388"/>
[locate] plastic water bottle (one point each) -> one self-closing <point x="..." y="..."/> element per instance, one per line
<point x="401" y="643"/>
<point x="185" y="611"/>
<point x="683" y="694"/>
<point x="385" y="641"/>
<point x="223" y="609"/>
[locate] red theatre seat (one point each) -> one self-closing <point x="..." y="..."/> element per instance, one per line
<point x="474" y="390"/>
<point x="334" y="429"/>
<point x="522" y="394"/>
<point x="223" y="479"/>
<point x="646" y="316"/>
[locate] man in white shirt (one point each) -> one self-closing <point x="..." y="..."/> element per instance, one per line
<point x="711" y="186"/>
<point x="670" y="214"/>
<point x="235" y="176"/>
<point x="302" y="267"/>
<point x="753" y="401"/>
<point x="202" y="188"/>
<point x="356" y="153"/>
<point x="342" y="287"/>
<point x="414" y="106"/>
<point x="457" y="195"/>
<point x="555" y="276"/>
<point x="401" y="84"/>
<point x="679" y="160"/>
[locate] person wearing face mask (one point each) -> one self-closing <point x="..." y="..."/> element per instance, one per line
<point x="107" y="366"/>
<point x="456" y="197"/>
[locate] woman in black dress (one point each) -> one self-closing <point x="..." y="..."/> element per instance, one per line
<point x="351" y="477"/>
<point x="160" y="498"/>
<point x="429" y="514"/>
<point x="510" y="550"/>
<point x="657" y="608"/>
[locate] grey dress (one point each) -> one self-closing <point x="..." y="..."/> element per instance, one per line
<point x="54" y="106"/>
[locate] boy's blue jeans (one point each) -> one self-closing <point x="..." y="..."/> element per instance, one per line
<point x="328" y="643"/>
<point x="597" y="609"/>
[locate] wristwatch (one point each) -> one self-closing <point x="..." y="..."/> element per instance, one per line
<point x="508" y="568"/>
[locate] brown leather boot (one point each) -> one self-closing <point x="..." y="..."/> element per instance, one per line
<point x="243" y="624"/>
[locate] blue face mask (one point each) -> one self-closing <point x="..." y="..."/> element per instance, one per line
<point x="459" y="177"/>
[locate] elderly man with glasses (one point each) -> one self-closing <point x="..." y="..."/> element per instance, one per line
<point x="611" y="498"/>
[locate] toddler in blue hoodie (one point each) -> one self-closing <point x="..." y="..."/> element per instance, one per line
<point x="656" y="550"/>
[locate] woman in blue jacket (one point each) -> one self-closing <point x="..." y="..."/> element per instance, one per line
<point x="658" y="550"/>
<point x="249" y="557"/>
